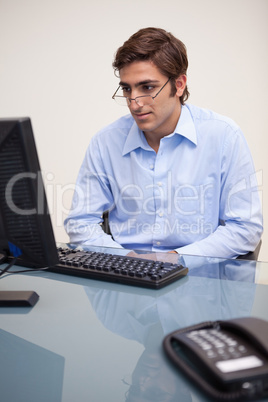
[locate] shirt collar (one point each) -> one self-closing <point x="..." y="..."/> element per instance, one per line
<point x="185" y="128"/>
<point x="135" y="139"/>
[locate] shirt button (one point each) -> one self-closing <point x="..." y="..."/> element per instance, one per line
<point x="160" y="184"/>
<point x="158" y="243"/>
<point x="152" y="167"/>
<point x="160" y="214"/>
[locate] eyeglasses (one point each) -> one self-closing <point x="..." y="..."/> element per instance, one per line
<point x="142" y="100"/>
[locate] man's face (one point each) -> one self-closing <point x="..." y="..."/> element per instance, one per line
<point x="144" y="78"/>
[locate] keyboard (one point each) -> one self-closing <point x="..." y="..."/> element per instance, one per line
<point x="116" y="268"/>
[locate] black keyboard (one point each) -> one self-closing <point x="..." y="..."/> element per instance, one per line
<point x="116" y="268"/>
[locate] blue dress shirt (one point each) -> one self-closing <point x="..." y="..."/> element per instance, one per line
<point x="197" y="195"/>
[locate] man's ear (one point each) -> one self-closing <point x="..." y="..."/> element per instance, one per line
<point x="180" y="83"/>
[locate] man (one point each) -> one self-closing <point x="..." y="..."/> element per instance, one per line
<point x="173" y="177"/>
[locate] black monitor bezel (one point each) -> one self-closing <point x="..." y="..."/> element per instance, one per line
<point x="18" y="151"/>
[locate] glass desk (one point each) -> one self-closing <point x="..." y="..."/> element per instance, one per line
<point x="92" y="341"/>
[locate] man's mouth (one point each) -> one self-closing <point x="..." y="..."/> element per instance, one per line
<point x="141" y="116"/>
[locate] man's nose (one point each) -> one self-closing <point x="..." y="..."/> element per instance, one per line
<point x="133" y="105"/>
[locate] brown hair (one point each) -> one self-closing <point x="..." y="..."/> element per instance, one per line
<point x="168" y="53"/>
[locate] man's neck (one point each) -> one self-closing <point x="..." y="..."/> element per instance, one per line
<point x="153" y="138"/>
<point x="153" y="141"/>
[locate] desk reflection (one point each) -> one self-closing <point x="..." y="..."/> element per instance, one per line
<point x="213" y="290"/>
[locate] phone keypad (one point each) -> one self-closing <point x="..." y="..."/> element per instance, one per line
<point x="217" y="345"/>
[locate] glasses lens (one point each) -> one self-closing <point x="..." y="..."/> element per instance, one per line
<point x="121" y="100"/>
<point x="140" y="100"/>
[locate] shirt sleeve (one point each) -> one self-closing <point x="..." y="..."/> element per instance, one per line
<point x="240" y="216"/>
<point x="92" y="196"/>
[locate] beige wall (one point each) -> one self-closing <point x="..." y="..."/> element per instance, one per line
<point x="55" y="66"/>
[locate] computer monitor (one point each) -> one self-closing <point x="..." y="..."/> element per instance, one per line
<point x="25" y="226"/>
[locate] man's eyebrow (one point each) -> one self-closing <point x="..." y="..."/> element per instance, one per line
<point x="145" y="82"/>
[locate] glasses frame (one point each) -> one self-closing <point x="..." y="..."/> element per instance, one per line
<point x="128" y="100"/>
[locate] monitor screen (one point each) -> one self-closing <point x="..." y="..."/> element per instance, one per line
<point x="25" y="226"/>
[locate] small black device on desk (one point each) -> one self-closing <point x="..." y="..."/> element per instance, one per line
<point x="227" y="359"/>
<point x="17" y="298"/>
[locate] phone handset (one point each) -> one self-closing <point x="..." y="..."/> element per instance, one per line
<point x="232" y="355"/>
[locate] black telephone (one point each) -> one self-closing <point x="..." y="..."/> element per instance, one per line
<point x="227" y="359"/>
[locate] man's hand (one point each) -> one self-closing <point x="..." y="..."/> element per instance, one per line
<point x="170" y="256"/>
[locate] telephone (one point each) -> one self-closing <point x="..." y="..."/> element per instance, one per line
<point x="227" y="359"/>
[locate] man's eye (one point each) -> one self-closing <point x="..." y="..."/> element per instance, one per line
<point x="125" y="89"/>
<point x="148" y="88"/>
